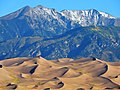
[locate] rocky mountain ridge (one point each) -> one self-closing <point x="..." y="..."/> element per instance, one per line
<point x="48" y="22"/>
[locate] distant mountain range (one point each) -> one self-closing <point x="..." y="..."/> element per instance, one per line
<point x="47" y="22"/>
<point x="69" y="33"/>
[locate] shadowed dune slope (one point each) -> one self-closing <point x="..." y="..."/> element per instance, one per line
<point x="62" y="74"/>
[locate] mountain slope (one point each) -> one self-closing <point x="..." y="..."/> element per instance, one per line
<point x="100" y="42"/>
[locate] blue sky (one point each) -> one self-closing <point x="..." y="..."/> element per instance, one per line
<point x="110" y="6"/>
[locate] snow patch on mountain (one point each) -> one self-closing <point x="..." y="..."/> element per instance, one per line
<point x="107" y="15"/>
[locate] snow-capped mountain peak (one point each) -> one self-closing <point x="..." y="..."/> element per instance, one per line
<point x="88" y="17"/>
<point x="89" y="12"/>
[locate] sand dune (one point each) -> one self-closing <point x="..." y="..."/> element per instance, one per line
<point x="62" y="74"/>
